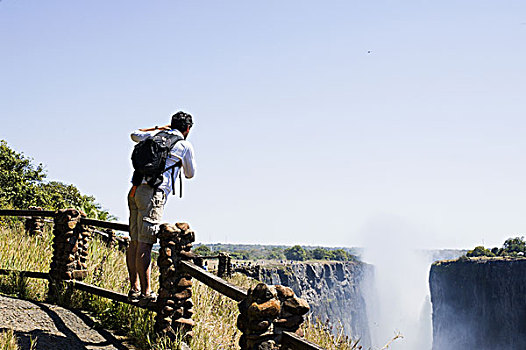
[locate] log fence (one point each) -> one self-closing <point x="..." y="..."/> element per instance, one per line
<point x="270" y="316"/>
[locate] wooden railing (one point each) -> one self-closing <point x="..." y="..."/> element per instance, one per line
<point x="182" y="264"/>
<point x="289" y="339"/>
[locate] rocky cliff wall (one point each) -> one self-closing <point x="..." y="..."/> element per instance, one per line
<point x="479" y="303"/>
<point x="334" y="291"/>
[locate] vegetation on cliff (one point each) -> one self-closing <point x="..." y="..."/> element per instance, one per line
<point x="512" y="247"/>
<point x="264" y="252"/>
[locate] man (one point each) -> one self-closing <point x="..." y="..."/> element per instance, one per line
<point x="146" y="204"/>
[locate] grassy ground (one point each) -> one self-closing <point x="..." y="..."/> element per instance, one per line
<point x="215" y="314"/>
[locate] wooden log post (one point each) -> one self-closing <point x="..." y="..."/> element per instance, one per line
<point x="222" y="264"/>
<point x="35" y="224"/>
<point x="266" y="313"/>
<point x="228" y="266"/>
<point x="175" y="306"/>
<point x="110" y="238"/>
<point x="199" y="261"/>
<point x="70" y="251"/>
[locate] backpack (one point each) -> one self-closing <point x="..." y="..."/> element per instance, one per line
<point x="149" y="159"/>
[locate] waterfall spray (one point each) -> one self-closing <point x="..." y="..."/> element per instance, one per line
<point x="398" y="302"/>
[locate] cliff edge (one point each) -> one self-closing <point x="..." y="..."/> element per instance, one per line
<point x="479" y="303"/>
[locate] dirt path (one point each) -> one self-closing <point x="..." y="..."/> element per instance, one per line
<point x="53" y="327"/>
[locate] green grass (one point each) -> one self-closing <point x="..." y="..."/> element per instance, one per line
<point x="215" y="314"/>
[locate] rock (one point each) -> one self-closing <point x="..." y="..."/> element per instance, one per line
<point x="296" y="306"/>
<point x="289" y="323"/>
<point x="72" y="224"/>
<point x="167" y="310"/>
<point x="186" y="255"/>
<point x="184" y="322"/>
<point x="164" y="261"/>
<point x="182" y="226"/>
<point x="284" y="292"/>
<point x="188" y="313"/>
<point x="262" y="292"/>
<point x="242" y="323"/>
<point x="164" y="293"/>
<point x="269" y="309"/>
<point x="167" y="284"/>
<point x="267" y="345"/>
<point x="79" y="274"/>
<point x="184" y="283"/>
<point x="187" y="293"/>
<point x="261" y="326"/>
<point x="167" y="251"/>
<point x="178" y="313"/>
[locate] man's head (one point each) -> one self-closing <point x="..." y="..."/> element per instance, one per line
<point x="182" y="121"/>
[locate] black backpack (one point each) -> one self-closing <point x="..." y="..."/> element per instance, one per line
<point x="149" y="159"/>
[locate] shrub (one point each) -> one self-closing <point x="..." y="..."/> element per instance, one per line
<point x="479" y="251"/>
<point x="513" y="247"/>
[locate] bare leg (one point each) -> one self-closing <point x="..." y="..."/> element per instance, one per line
<point x="131" y="254"/>
<point x="142" y="262"/>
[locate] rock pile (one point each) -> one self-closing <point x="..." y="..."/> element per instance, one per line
<point x="35" y="224"/>
<point x="266" y="313"/>
<point x="175" y="306"/>
<point x="70" y="249"/>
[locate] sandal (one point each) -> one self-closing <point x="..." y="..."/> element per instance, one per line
<point x="134" y="296"/>
<point x="147" y="299"/>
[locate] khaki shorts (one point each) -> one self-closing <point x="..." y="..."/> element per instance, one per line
<point x="146" y="210"/>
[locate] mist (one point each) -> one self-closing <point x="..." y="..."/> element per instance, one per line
<point x="398" y="301"/>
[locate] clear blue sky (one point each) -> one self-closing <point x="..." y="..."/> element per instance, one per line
<point x="301" y="135"/>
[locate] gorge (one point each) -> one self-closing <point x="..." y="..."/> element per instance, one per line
<point x="473" y="303"/>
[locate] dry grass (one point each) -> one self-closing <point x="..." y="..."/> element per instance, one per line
<point x="215" y="314"/>
<point x="8" y="340"/>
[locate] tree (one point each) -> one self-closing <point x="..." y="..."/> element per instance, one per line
<point x="342" y="255"/>
<point x="276" y="254"/>
<point x="296" y="253"/>
<point x="203" y="250"/>
<point x="320" y="254"/>
<point x="240" y="255"/>
<point x="57" y="195"/>
<point x="18" y="178"/>
<point x="513" y="246"/>
<point x="22" y="185"/>
<point x="479" y="251"/>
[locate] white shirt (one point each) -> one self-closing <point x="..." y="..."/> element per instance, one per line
<point x="182" y="150"/>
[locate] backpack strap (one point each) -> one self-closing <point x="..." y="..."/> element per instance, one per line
<point x="179" y="164"/>
<point x="180" y="184"/>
